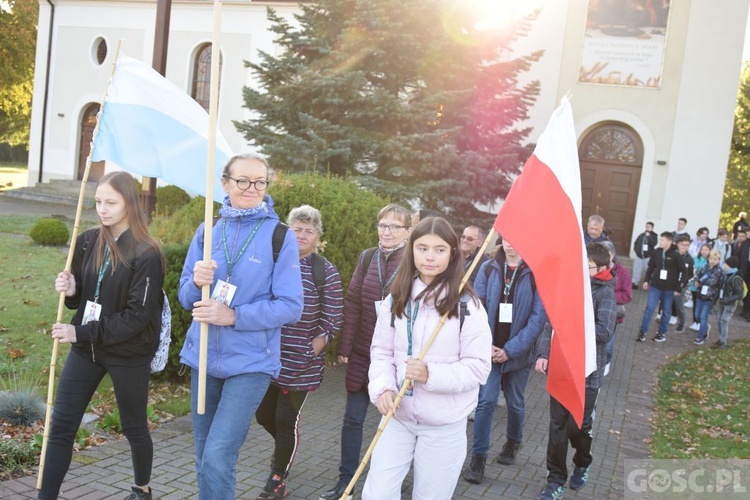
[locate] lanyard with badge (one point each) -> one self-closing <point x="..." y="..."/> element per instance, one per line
<point x="93" y="310"/>
<point x="411" y="318"/>
<point x="663" y="272"/>
<point x="224" y="290"/>
<point x="383" y="285"/>
<point x="506" y="308"/>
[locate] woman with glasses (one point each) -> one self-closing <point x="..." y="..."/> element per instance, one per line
<point x="370" y="284"/>
<point x="253" y="293"/>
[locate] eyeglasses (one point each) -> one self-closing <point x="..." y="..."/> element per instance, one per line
<point x="593" y="267"/>
<point x="244" y="184"/>
<point x="470" y="239"/>
<point x="394" y="228"/>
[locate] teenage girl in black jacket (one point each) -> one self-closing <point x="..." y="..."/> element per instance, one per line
<point x="115" y="286"/>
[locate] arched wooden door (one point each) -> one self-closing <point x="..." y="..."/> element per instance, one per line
<point x="611" y="157"/>
<point x="88" y="123"/>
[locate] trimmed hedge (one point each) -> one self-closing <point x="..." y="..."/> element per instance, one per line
<point x="50" y="232"/>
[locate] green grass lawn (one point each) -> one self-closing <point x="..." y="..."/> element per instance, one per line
<point x="703" y="405"/>
<point x="28" y="308"/>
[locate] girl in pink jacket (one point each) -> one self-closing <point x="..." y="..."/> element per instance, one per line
<point x="429" y="426"/>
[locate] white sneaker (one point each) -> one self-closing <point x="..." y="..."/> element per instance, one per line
<point x="673" y="320"/>
<point x="606" y="369"/>
<point x="689" y="304"/>
<point x="695" y="326"/>
<point x="658" y="318"/>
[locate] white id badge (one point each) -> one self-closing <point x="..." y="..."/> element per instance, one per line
<point x="223" y="292"/>
<point x="704" y="290"/>
<point x="663" y="274"/>
<point x="645" y="248"/>
<point x="377" y="308"/>
<point x="92" y="312"/>
<point x="400" y="376"/>
<point x="506" y="312"/>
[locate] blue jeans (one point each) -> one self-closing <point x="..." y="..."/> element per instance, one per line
<point x="220" y="432"/>
<point x="351" y="433"/>
<point x="513" y="385"/>
<point x="666" y="297"/>
<point x="703" y="310"/>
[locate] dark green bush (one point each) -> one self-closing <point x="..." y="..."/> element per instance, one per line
<point x="180" y="226"/>
<point x="169" y="199"/>
<point x="50" y="232"/>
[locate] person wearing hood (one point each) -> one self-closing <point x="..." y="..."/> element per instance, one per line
<point x="732" y="292"/>
<point x="562" y="426"/>
<point x="253" y="293"/>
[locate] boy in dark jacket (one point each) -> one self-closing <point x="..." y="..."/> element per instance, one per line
<point x="730" y="294"/>
<point x="562" y="427"/>
<point x="662" y="282"/>
<point x="643" y="247"/>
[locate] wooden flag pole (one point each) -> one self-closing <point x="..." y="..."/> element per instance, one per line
<point x="407" y="382"/>
<point x="209" y="209"/>
<point x="68" y="264"/>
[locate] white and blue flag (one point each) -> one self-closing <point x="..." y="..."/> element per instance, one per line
<point x="149" y="126"/>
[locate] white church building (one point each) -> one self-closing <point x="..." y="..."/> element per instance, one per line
<point x="652" y="84"/>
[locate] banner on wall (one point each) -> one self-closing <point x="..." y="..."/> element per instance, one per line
<point x="624" y="43"/>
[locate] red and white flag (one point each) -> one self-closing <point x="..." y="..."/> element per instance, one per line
<point x="541" y="218"/>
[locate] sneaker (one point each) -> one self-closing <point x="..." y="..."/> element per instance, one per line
<point x="335" y="493"/>
<point x="641" y="337"/>
<point x="680" y="329"/>
<point x="695" y="326"/>
<point x="658" y="317"/>
<point x="578" y="479"/>
<point x="719" y="343"/>
<point x="699" y="341"/>
<point x="507" y="455"/>
<point x="553" y="491"/>
<point x="606" y="369"/>
<point x="475" y="472"/>
<point x="673" y="320"/>
<point x="275" y="488"/>
<point x="139" y="494"/>
<point x="659" y="337"/>
<point x="689" y="304"/>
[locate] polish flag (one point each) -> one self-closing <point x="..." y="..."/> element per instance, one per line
<point x="541" y="218"/>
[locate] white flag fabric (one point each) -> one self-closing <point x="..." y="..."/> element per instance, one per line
<point x="149" y="126"/>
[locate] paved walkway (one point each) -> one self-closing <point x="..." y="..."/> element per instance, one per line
<point x="622" y="428"/>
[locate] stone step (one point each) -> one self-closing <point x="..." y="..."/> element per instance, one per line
<point x="63" y="192"/>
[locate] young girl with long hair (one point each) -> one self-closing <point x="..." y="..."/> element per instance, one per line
<point x="115" y="286"/>
<point x="429" y="426"/>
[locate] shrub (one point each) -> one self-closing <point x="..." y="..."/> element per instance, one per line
<point x="181" y="225"/>
<point x="169" y="199"/>
<point x="50" y="232"/>
<point x="21" y="407"/>
<point x="16" y="458"/>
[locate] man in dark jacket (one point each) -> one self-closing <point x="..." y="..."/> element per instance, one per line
<point x="662" y="282"/>
<point x="643" y="247"/>
<point x="506" y="287"/>
<point x="471" y="241"/>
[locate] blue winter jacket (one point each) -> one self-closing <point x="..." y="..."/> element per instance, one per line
<point x="529" y="316"/>
<point x="267" y="297"/>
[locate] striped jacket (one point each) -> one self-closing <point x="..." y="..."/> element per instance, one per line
<point x="301" y="369"/>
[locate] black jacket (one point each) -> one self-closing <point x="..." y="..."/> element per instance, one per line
<point x="649" y="239"/>
<point x="672" y="262"/>
<point x="127" y="332"/>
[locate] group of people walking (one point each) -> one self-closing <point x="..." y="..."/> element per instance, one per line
<point x="276" y="304"/>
